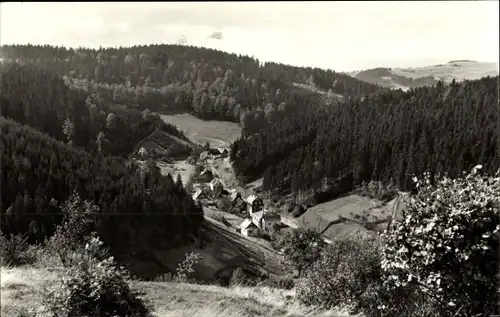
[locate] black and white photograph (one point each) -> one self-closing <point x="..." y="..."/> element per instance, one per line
<point x="250" y="159"/>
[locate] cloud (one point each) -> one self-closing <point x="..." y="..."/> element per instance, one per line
<point x="216" y="35"/>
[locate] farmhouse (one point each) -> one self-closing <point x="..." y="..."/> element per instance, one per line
<point x="223" y="150"/>
<point x="206" y="175"/>
<point x="199" y="194"/>
<point x="264" y="220"/>
<point x="248" y="228"/>
<point x="216" y="187"/>
<point x="142" y="151"/>
<point x="254" y="204"/>
<point x="213" y="151"/>
<point x="235" y="196"/>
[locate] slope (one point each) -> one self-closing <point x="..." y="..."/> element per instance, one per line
<point x="22" y="291"/>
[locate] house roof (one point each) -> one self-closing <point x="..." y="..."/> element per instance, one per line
<point x="251" y="199"/>
<point x="234" y="195"/>
<point x="247" y="223"/>
<point x="222" y="149"/>
<point x="206" y="171"/>
<point x="197" y="194"/>
<point x="214" y="181"/>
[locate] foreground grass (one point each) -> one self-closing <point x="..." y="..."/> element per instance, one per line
<point x="22" y="290"/>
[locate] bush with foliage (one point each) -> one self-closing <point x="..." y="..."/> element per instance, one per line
<point x="377" y="190"/>
<point x="15" y="250"/>
<point x="76" y="227"/>
<point x="342" y="274"/>
<point x="186" y="267"/>
<point x="348" y="273"/>
<point x="300" y="248"/>
<point x="93" y="287"/>
<point x="92" y="284"/>
<point x="448" y="244"/>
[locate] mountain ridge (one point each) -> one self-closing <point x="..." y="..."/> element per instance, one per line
<point x="413" y="77"/>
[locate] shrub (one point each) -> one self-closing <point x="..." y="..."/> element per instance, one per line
<point x="185" y="268"/>
<point x="15" y="250"/>
<point x="300" y="248"/>
<point x="93" y="287"/>
<point x="447" y="244"/>
<point x="344" y="274"/>
<point x="223" y="203"/>
<point x="349" y="273"/>
<point x="377" y="190"/>
<point x="76" y="227"/>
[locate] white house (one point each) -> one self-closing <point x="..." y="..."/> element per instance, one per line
<point x="223" y="150"/>
<point x="248" y="228"/>
<point x="264" y="220"/>
<point x="216" y="184"/>
<point x="142" y="151"/>
<point x="235" y="195"/>
<point x="254" y="204"/>
<point x="199" y="194"/>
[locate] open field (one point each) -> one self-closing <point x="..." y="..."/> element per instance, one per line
<point x="357" y="210"/>
<point x="458" y="70"/>
<point x="22" y="290"/>
<point x="217" y="133"/>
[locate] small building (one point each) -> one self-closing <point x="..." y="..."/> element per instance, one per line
<point x="204" y="155"/>
<point x="142" y="151"/>
<point x="199" y="194"/>
<point x="264" y="220"/>
<point x="254" y="204"/>
<point x="207" y="174"/>
<point x="216" y="187"/>
<point x="248" y="228"/>
<point x="235" y="195"/>
<point x="213" y="151"/>
<point x="223" y="150"/>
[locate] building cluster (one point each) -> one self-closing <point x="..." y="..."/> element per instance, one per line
<point x="258" y="218"/>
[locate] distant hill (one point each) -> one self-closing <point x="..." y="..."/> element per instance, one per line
<point x="407" y="78"/>
<point x="209" y="84"/>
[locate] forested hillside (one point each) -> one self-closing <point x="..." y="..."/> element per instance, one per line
<point x="390" y="136"/>
<point x="208" y="83"/>
<point x="38" y="97"/>
<point x="55" y="141"/>
<point x="38" y="172"/>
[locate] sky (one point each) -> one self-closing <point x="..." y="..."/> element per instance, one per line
<point x="343" y="36"/>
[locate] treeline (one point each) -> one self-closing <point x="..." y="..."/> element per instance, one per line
<point x="390" y="137"/>
<point x="38" y="97"/>
<point x="137" y="204"/>
<point x="208" y="83"/>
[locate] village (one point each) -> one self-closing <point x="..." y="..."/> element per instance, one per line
<point x="209" y="190"/>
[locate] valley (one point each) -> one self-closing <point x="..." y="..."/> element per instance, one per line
<point x="265" y="194"/>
